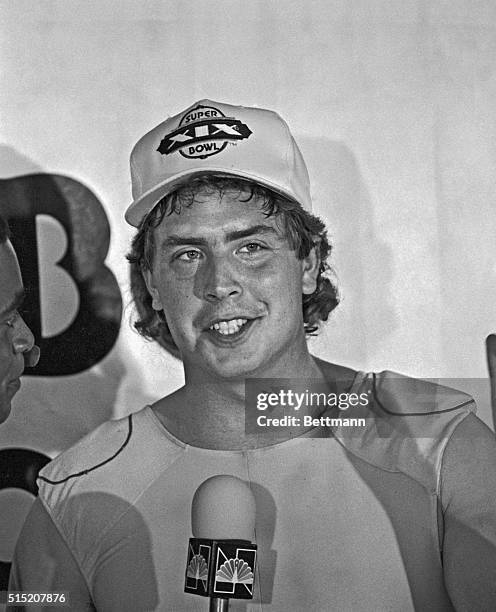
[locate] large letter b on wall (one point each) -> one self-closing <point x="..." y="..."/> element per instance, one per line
<point x="64" y="220"/>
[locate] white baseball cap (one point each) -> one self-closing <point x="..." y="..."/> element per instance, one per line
<point x="212" y="137"/>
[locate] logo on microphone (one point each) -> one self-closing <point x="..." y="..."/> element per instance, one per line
<point x="197" y="568"/>
<point x="220" y="568"/>
<point x="234" y="571"/>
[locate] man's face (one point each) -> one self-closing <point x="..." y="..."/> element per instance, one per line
<point x="15" y="337"/>
<point x="230" y="287"/>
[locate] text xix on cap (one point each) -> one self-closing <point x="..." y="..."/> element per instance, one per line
<point x="251" y="143"/>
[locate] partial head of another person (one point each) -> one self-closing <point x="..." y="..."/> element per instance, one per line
<point x="17" y="348"/>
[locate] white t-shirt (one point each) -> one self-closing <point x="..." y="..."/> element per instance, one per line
<point x="375" y="518"/>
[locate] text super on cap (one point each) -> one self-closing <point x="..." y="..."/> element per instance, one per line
<point x="250" y="143"/>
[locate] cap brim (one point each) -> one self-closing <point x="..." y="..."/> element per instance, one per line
<point x="141" y="207"/>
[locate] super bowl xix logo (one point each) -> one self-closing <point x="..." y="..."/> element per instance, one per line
<point x="203" y="131"/>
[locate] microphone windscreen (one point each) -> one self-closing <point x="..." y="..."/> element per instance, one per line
<point x="223" y="508"/>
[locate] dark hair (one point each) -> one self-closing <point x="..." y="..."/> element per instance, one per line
<point x="4" y="230"/>
<point x="303" y="231"/>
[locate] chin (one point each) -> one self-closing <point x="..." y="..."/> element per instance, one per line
<point x="233" y="369"/>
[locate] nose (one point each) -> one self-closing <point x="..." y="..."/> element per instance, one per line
<point x="220" y="280"/>
<point x="23" y="340"/>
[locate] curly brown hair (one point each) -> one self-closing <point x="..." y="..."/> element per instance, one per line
<point x="304" y="231"/>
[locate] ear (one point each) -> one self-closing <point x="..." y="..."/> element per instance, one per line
<point x="310" y="269"/>
<point x="152" y="289"/>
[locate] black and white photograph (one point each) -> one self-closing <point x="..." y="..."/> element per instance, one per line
<point x="248" y="305"/>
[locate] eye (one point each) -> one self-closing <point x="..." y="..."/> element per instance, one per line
<point x="189" y="256"/>
<point x="251" y="247"/>
<point x="11" y="321"/>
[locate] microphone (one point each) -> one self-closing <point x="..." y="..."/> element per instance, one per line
<point x="221" y="558"/>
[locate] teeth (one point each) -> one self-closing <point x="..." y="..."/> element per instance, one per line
<point x="227" y="328"/>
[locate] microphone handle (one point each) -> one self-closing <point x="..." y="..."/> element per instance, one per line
<point x="219" y="604"/>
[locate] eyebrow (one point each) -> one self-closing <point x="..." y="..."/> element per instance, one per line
<point x="175" y="240"/>
<point x="19" y="298"/>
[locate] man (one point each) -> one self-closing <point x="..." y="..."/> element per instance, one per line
<point x="228" y="272"/>
<point x="17" y="348"/>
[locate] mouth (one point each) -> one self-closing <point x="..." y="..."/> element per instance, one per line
<point x="229" y="330"/>
<point x="14" y="385"/>
<point x="228" y="327"/>
<point x="32" y="357"/>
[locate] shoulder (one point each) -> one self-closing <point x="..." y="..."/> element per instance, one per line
<point x="120" y="458"/>
<point x="102" y="444"/>
<point x="399" y="395"/>
<point x="408" y="423"/>
<point x="468" y="491"/>
<point x="469" y="465"/>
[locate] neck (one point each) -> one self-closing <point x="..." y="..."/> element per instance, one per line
<point x="211" y="413"/>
